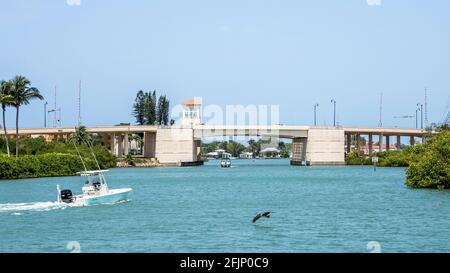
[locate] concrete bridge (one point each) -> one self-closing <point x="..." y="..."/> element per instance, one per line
<point x="181" y="144"/>
<point x="314" y="145"/>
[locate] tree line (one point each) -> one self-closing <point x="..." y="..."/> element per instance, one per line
<point x="235" y="148"/>
<point x="59" y="157"/>
<point x="148" y="110"/>
<point x="15" y="93"/>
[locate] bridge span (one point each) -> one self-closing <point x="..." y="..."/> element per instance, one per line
<point x="181" y="144"/>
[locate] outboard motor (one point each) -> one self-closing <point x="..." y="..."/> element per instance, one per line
<point x="66" y="196"/>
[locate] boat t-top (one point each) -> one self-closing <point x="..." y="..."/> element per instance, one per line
<point x="225" y="163"/>
<point x="95" y="191"/>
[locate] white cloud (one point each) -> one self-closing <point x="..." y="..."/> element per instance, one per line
<point x="226" y="29"/>
<point x="373" y="2"/>
<point x="73" y="2"/>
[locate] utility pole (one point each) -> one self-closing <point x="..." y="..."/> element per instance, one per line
<point x="334" y="112"/>
<point x="417" y="109"/>
<point x="315" y="114"/>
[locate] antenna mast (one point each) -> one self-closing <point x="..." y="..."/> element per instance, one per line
<point x="380" y="123"/>
<point x="446" y="119"/>
<point x="79" y="104"/>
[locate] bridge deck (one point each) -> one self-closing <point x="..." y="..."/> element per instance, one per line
<point x="386" y="131"/>
<point x="95" y="129"/>
<point x="216" y="130"/>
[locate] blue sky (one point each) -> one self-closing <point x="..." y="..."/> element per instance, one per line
<point x="290" y="53"/>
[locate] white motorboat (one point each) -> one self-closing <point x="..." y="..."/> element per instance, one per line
<point x="225" y="163"/>
<point x="95" y="191"/>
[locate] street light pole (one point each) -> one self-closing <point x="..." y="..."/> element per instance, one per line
<point x="334" y="112"/>
<point x="417" y="109"/>
<point x="45" y="114"/>
<point x="315" y="115"/>
<point x="421" y="114"/>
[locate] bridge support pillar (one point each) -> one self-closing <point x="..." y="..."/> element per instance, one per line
<point x="112" y="143"/>
<point x="380" y="143"/>
<point x="198" y="149"/>
<point x="149" y="144"/>
<point x="127" y="144"/>
<point x="358" y="143"/>
<point x="299" y="152"/>
<point x="399" y="142"/>
<point x="119" y="145"/>
<point x="370" y="144"/>
<point x="411" y="140"/>
<point x="349" y="142"/>
<point x="388" y="142"/>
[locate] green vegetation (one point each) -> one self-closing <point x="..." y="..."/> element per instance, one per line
<point x="5" y="100"/>
<point x="39" y="158"/>
<point x="149" y="111"/>
<point x="430" y="165"/>
<point x="353" y="158"/>
<point x="17" y="92"/>
<point x="130" y="160"/>
<point x="232" y="147"/>
<point x="285" y="149"/>
<point x="162" y="113"/>
<point x="399" y="158"/>
<point x="43" y="165"/>
<point x="236" y="148"/>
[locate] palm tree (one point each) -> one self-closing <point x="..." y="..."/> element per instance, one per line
<point x="22" y="94"/>
<point x="81" y="136"/>
<point x="5" y="100"/>
<point x="138" y="140"/>
<point x="254" y="147"/>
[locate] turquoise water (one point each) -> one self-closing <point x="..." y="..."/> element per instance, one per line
<point x="209" y="209"/>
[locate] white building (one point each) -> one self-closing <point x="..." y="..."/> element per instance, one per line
<point x="191" y="112"/>
<point x="270" y="152"/>
<point x="246" y="155"/>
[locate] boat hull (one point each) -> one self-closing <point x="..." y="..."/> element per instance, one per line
<point x="113" y="196"/>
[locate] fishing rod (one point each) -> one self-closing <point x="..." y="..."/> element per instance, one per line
<point x="92" y="152"/>
<point x="78" y="152"/>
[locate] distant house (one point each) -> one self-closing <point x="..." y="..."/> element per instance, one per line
<point x="246" y="155"/>
<point x="212" y="155"/>
<point x="270" y="152"/>
<point x="219" y="153"/>
<point x="376" y="148"/>
<point x="226" y="155"/>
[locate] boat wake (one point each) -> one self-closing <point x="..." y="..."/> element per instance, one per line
<point x="17" y="208"/>
<point x="35" y="206"/>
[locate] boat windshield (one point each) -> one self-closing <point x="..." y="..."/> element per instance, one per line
<point x="95" y="180"/>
